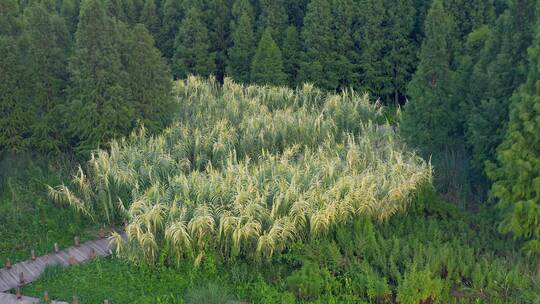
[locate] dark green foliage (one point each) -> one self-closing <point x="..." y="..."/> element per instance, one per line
<point x="219" y="16"/>
<point x="369" y="37"/>
<point x="431" y="121"/>
<point x="319" y="41"/>
<point x="517" y="174"/>
<point x="45" y="41"/>
<point x="242" y="49"/>
<point x="274" y="17"/>
<point x="292" y="55"/>
<point x="9" y="24"/>
<point x="149" y="80"/>
<point x="99" y="100"/>
<point x="172" y="12"/>
<point x="400" y="56"/>
<point x="192" y="47"/>
<point x="495" y="65"/>
<point x="14" y="101"/>
<point x="150" y="18"/>
<point x="267" y="64"/>
<point x="470" y="14"/>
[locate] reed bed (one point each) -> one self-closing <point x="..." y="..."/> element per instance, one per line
<point x="246" y="171"/>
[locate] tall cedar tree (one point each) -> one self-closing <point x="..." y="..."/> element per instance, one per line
<point x="517" y="176"/>
<point x="243" y="42"/>
<point x="150" y="18"/>
<point x="173" y="13"/>
<point x="470" y="14"/>
<point x="46" y="43"/>
<point x="192" y="47"/>
<point x="14" y="121"/>
<point x="267" y="65"/>
<point x="150" y="81"/>
<point x="490" y="73"/>
<point x="430" y="119"/>
<point x="219" y="16"/>
<point x="292" y="55"/>
<point x="319" y="42"/>
<point x="69" y="10"/>
<point x="9" y="23"/>
<point x="344" y="48"/>
<point x="401" y="49"/>
<point x="273" y="17"/>
<point x="370" y="41"/>
<point x="99" y="101"/>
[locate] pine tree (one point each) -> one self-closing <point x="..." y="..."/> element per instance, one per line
<point x="46" y="43"/>
<point x="150" y="18"/>
<point x="319" y="42"/>
<point x="369" y="38"/>
<point x="490" y="74"/>
<point x="429" y="120"/>
<point x="267" y="64"/>
<point x="219" y="23"/>
<point x="173" y="13"/>
<point x="192" y="47"/>
<point x="401" y="49"/>
<point x="517" y="175"/>
<point x="70" y="12"/>
<point x="344" y="48"/>
<point x="470" y="14"/>
<point x="14" y="121"/>
<point x="292" y="51"/>
<point x="9" y="10"/>
<point x="149" y="78"/>
<point x="274" y="17"/>
<point x="243" y="44"/>
<point x="115" y="8"/>
<point x="99" y="108"/>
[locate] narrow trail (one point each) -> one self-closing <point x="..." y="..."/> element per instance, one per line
<point x="29" y="271"/>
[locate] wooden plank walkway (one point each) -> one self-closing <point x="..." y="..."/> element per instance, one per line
<point x="8" y="298"/>
<point x="31" y="270"/>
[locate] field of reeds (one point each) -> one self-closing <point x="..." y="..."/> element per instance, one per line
<point x="247" y="170"/>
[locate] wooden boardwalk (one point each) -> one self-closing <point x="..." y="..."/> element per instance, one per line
<point x="29" y="271"/>
<point x="8" y="298"/>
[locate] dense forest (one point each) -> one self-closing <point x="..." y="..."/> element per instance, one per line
<point x="106" y="105"/>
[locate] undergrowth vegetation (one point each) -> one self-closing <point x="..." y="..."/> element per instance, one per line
<point x="245" y="171"/>
<point x="29" y="219"/>
<point x="432" y="253"/>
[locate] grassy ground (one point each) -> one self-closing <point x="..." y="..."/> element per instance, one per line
<point x="28" y="218"/>
<point x="434" y="253"/>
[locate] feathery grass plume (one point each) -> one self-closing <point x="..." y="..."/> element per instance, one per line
<point x="246" y="170"/>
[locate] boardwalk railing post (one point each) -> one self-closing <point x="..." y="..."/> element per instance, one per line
<point x="33" y="255"/>
<point x="101" y="233"/>
<point x="56" y="248"/>
<point x="77" y="241"/>
<point x="8" y="263"/>
<point x="21" y="278"/>
<point x="75" y="300"/>
<point x="106" y="302"/>
<point x="18" y="293"/>
<point x="72" y="260"/>
<point x="46" y="297"/>
<point x="92" y="252"/>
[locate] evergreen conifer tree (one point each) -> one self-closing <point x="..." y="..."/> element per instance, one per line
<point x="149" y="17"/>
<point x="292" y="55"/>
<point x="243" y="44"/>
<point x="517" y="175"/>
<point x="267" y="64"/>
<point x="173" y="13"/>
<point x="192" y="47"/>
<point x="46" y="44"/>
<point x="14" y="121"/>
<point x="430" y="120"/>
<point x="319" y="43"/>
<point x="492" y="67"/>
<point x="99" y="101"/>
<point x="274" y="17"/>
<point x="401" y="49"/>
<point x="9" y="23"/>
<point x="149" y="78"/>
